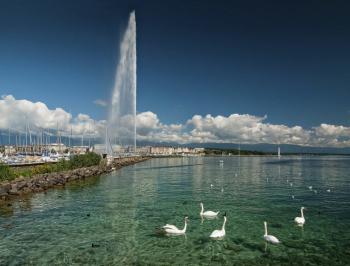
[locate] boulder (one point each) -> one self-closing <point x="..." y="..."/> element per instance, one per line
<point x="13" y="190"/>
<point x="4" y="191"/>
<point x="26" y="190"/>
<point x="21" y="185"/>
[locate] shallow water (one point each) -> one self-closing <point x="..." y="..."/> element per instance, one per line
<point x="113" y="219"/>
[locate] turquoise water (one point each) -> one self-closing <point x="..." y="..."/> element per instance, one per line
<point x="113" y="219"/>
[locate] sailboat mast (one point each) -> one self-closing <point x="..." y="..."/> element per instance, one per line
<point x="25" y="149"/>
<point x="89" y="135"/>
<point x="106" y="140"/>
<point x="70" y="136"/>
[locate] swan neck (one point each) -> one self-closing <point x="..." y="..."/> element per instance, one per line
<point x="302" y="213"/>
<point x="185" y="227"/>
<point x="202" y="208"/>
<point x="223" y="225"/>
<point x="265" y="229"/>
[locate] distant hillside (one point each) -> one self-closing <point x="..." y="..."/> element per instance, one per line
<point x="217" y="151"/>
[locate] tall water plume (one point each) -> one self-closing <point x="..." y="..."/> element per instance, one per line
<point x="121" y="124"/>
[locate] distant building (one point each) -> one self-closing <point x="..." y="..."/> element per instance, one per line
<point x="117" y="149"/>
<point x="143" y="150"/>
<point x="199" y="150"/>
<point x="80" y="149"/>
<point x="9" y="150"/>
<point x="176" y="151"/>
<point x="56" y="147"/>
<point x="162" y="150"/>
<point x="151" y="150"/>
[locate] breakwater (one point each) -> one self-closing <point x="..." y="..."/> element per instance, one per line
<point x="42" y="182"/>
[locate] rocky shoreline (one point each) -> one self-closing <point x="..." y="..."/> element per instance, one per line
<point x="42" y="182"/>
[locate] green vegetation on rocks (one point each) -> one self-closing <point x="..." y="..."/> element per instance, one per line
<point x="76" y="161"/>
<point x="6" y="173"/>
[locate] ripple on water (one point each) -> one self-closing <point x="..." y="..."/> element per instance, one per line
<point x="113" y="219"/>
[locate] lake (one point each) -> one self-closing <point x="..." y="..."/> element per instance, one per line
<point x="115" y="218"/>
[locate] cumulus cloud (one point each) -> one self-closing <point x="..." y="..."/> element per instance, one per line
<point x="100" y="102"/>
<point x="239" y="128"/>
<point x="326" y="130"/>
<point x="235" y="128"/>
<point x="220" y="129"/>
<point x="149" y="128"/>
<point x="331" y="135"/>
<point x="17" y="114"/>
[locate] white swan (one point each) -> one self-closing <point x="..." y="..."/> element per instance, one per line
<point x="270" y="238"/>
<point x="219" y="233"/>
<point x="207" y="214"/>
<point x="173" y="230"/>
<point x="300" y="220"/>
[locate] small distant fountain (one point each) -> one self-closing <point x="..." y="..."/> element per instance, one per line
<point x="121" y="123"/>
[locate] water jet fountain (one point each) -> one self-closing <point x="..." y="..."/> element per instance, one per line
<point x="121" y="123"/>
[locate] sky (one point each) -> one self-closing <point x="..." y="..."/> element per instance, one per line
<point x="207" y="71"/>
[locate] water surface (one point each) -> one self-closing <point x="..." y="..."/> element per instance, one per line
<point x="113" y="219"/>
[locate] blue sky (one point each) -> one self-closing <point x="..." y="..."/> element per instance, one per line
<point x="289" y="61"/>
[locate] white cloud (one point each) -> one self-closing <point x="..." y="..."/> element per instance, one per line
<point x="100" y="102"/>
<point x="16" y="114"/>
<point x="245" y="129"/>
<point x="234" y="128"/>
<point x="149" y="128"/>
<point x="147" y="122"/>
<point x="332" y="135"/>
<point x="325" y="130"/>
